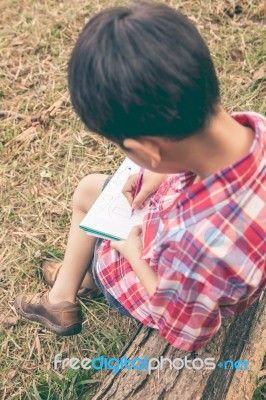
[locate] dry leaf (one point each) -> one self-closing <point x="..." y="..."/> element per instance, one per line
<point x="28" y="134"/>
<point x="57" y="210"/>
<point x="6" y="320"/>
<point x="259" y="74"/>
<point x="38" y="254"/>
<point x="237" y="54"/>
<point x="45" y="174"/>
<point x="11" y="374"/>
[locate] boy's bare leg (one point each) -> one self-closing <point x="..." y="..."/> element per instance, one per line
<point x="80" y="246"/>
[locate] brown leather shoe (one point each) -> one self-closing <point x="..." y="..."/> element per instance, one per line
<point x="64" y="318"/>
<point x="50" y="270"/>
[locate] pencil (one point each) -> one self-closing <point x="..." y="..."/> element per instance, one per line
<point x="138" y="186"/>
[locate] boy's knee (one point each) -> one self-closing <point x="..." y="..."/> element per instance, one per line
<point x="87" y="191"/>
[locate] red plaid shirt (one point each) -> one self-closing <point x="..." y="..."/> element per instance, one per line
<point x="206" y="242"/>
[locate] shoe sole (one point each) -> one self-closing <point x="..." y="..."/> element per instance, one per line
<point x="59" y="330"/>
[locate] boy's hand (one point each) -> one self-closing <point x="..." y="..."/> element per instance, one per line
<point x="150" y="184"/>
<point x="130" y="249"/>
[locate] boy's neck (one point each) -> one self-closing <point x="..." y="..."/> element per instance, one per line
<point x="223" y="142"/>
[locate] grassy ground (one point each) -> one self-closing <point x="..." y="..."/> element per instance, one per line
<point x="45" y="151"/>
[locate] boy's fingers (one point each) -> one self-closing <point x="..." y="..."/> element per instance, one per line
<point x="115" y="244"/>
<point x="136" y="230"/>
<point x="143" y="204"/>
<point x="129" y="197"/>
<point x="140" y="198"/>
<point x="129" y="188"/>
<point x="112" y="244"/>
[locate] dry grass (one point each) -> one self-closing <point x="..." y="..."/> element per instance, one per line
<point x="45" y="151"/>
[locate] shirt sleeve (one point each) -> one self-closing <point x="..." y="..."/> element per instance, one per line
<point x="184" y="305"/>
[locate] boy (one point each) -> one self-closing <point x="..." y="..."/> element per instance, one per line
<point x="143" y="77"/>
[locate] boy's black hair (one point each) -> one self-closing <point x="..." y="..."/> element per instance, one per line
<point x="142" y="70"/>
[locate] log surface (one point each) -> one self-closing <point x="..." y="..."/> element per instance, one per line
<point x="241" y="337"/>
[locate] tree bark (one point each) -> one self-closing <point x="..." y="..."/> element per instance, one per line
<point x="241" y="337"/>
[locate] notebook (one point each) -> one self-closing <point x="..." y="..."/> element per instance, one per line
<point x="110" y="216"/>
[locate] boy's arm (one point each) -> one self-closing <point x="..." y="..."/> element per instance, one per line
<point x="146" y="275"/>
<point x="131" y="250"/>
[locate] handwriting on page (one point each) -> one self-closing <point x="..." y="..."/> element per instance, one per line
<point x="115" y="204"/>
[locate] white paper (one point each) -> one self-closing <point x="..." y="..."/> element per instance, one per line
<point x="110" y="216"/>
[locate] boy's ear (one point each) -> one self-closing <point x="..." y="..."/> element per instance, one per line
<point x="145" y="147"/>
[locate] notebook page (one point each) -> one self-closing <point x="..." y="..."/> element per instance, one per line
<point x="110" y="216"/>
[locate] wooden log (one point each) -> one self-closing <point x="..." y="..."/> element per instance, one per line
<point x="242" y="337"/>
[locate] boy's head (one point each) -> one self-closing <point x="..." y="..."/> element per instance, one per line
<point x="142" y="70"/>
